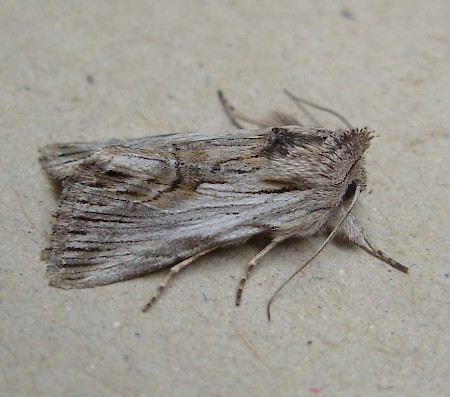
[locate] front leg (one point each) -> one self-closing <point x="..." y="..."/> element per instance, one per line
<point x="353" y="231"/>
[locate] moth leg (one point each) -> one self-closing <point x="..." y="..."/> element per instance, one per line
<point x="354" y="232"/>
<point x="253" y="262"/>
<point x="172" y="272"/>
<point x="234" y="114"/>
<point x="382" y="256"/>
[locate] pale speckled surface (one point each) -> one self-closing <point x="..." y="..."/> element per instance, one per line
<point x="155" y="69"/>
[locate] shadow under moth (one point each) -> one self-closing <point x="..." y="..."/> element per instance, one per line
<point x="129" y="208"/>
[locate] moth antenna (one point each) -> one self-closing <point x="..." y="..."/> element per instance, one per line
<point x="377" y="253"/>
<point x="172" y="272"/>
<point x="307" y="112"/>
<point x="234" y="115"/>
<point x="324" y="244"/>
<point x="300" y="101"/>
<point x="253" y="262"/>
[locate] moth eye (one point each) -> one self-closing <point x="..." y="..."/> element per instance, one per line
<point x="350" y="192"/>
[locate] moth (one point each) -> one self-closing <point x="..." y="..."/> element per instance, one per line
<point x="129" y="208"/>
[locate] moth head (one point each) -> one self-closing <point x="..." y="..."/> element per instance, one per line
<point x="356" y="178"/>
<point x="353" y="173"/>
<point x="314" y="158"/>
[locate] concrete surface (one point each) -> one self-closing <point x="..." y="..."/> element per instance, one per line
<point x="82" y="70"/>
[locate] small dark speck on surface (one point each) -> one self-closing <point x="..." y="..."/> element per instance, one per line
<point x="346" y="13"/>
<point x="137" y="334"/>
<point x="309" y="342"/>
<point x="447" y="275"/>
<point x="90" y="79"/>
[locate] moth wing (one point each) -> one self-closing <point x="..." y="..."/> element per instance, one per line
<point x="123" y="213"/>
<point x="60" y="160"/>
<point x="129" y="210"/>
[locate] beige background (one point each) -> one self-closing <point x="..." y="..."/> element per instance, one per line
<point x="83" y="70"/>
